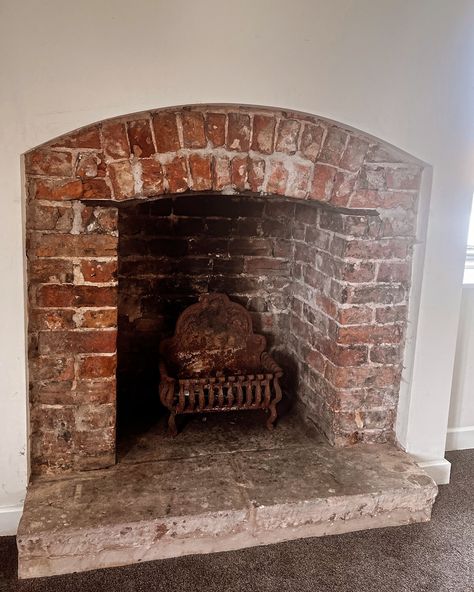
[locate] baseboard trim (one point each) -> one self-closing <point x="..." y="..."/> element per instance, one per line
<point x="9" y="519"/>
<point x="460" y="438"/>
<point x="439" y="470"/>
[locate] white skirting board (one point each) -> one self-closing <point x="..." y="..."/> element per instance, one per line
<point x="460" y="438"/>
<point x="9" y="519"/>
<point x="439" y="470"/>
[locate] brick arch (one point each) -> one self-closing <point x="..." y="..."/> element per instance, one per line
<point x="363" y="234"/>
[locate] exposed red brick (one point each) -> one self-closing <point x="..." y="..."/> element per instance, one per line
<point x="177" y="175"/>
<point x="58" y="295"/>
<point x="333" y="147"/>
<point x="239" y="172"/>
<point x="287" y="140"/>
<point x="41" y="217"/>
<point x="385" y="354"/>
<point x="52" y="368"/>
<point x="316" y="360"/>
<point x="122" y="179"/>
<point x="355" y="315"/>
<point x="52" y="320"/>
<point x="323" y="182"/>
<point x="278" y="178"/>
<point x="56" y="189"/>
<point x="98" y="220"/>
<point x="97" y="366"/>
<point x="311" y="141"/>
<point x="140" y="138"/>
<point x="201" y="174"/>
<point x="193" y="129"/>
<point x="391" y="314"/>
<point x="352" y="334"/>
<point x="267" y="266"/>
<point x="373" y="376"/>
<point x="60" y="245"/>
<point x="152" y="177"/>
<point x="263" y="133"/>
<point x="52" y="163"/>
<point x="98" y="319"/>
<point x="354" y="154"/>
<point x="394" y="271"/>
<point x="51" y="270"/>
<point x="256" y="174"/>
<point x="352" y="355"/>
<point x="166" y="131"/>
<point x="96" y="189"/>
<point x="299" y="181"/>
<point x="98" y="271"/>
<point x="403" y="177"/>
<point x="215" y="128"/>
<point x="238" y="134"/>
<point x="342" y="189"/>
<point x="90" y="165"/>
<point x="79" y="342"/>
<point x="114" y="139"/>
<point x="221" y="173"/>
<point x="87" y="137"/>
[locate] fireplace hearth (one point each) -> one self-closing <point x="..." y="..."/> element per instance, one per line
<point x="306" y="224"/>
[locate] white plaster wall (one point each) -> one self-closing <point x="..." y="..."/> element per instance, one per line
<point x="461" y="412"/>
<point x="398" y="69"/>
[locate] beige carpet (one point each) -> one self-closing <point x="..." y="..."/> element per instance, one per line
<point x="433" y="557"/>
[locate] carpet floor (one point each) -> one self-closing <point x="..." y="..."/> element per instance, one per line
<point x="433" y="557"/>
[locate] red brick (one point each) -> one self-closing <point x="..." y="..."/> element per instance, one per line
<point x="394" y="272"/>
<point x="41" y="217"/>
<point x="342" y="189"/>
<point x="122" y="179"/>
<point x="166" y="132"/>
<point x="52" y="163"/>
<point x="385" y="354"/>
<point x="371" y="376"/>
<point x="371" y="198"/>
<point x="238" y="135"/>
<point x="316" y="361"/>
<point x="311" y="140"/>
<point x="323" y="182"/>
<point x="177" y="175"/>
<point x="98" y="319"/>
<point x="51" y="270"/>
<point x="97" y="366"/>
<point x="391" y="314"/>
<point x="333" y="147"/>
<point x="256" y="174"/>
<point x="370" y="249"/>
<point x="353" y="355"/>
<point x="90" y="165"/>
<point x="299" y="181"/>
<point x="54" y="368"/>
<point x="51" y="320"/>
<point x="239" y="173"/>
<point x="263" y="133"/>
<point x="193" y="129"/>
<point x="221" y="173"/>
<point x="201" y="174"/>
<point x="354" y="334"/>
<point x="215" y="128"/>
<point x="267" y="266"/>
<point x="60" y="245"/>
<point x="96" y="391"/>
<point x="90" y="418"/>
<point x="77" y="342"/>
<point x="403" y="178"/>
<point x="152" y="177"/>
<point x="355" y="315"/>
<point x="287" y="139"/>
<point x="67" y="295"/>
<point x="56" y="189"/>
<point x="99" y="271"/>
<point x="115" y="141"/>
<point x="277" y="179"/>
<point x="87" y="137"/>
<point x="99" y="220"/>
<point x="354" y="154"/>
<point x="140" y="138"/>
<point x="96" y="189"/>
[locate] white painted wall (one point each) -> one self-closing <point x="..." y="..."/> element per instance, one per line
<point x="461" y="412"/>
<point x="398" y="69"/>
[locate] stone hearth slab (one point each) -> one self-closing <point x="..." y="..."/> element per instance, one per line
<point x="274" y="489"/>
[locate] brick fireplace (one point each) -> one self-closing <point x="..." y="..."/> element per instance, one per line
<point x="309" y="224"/>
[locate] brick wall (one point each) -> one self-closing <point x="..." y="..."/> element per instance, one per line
<point x="350" y="261"/>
